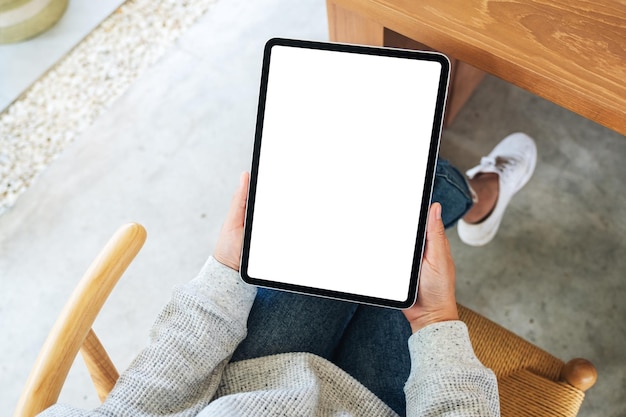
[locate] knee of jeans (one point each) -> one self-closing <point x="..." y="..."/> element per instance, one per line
<point x="452" y="213"/>
<point x="452" y="192"/>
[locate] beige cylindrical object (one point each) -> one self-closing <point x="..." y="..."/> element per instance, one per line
<point x="23" y="19"/>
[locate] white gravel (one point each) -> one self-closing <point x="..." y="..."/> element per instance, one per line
<point x="69" y="97"/>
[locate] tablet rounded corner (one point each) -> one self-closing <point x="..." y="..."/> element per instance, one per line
<point x="447" y="64"/>
<point x="243" y="274"/>
<point x="409" y="302"/>
<point x="274" y="42"/>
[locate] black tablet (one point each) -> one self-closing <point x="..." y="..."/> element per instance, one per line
<point x="342" y="171"/>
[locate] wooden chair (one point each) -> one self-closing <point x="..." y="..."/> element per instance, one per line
<point x="531" y="381"/>
<point x="72" y="331"/>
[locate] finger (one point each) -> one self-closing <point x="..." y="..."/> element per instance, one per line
<point x="244" y="179"/>
<point x="435" y="229"/>
<point x="237" y="211"/>
<point x="436" y="240"/>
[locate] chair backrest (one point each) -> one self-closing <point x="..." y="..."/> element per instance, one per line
<point x="72" y="330"/>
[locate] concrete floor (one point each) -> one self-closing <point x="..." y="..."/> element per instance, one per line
<point x="168" y="155"/>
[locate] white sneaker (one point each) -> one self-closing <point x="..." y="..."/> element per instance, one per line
<point x="514" y="160"/>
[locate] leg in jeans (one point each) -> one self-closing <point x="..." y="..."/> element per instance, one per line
<point x="281" y="322"/>
<point x="452" y="191"/>
<point x="374" y="351"/>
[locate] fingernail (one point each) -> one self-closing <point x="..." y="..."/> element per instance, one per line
<point x="438" y="212"/>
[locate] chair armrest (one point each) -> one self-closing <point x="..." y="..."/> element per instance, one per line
<point x="579" y="373"/>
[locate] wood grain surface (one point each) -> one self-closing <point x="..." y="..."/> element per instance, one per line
<point x="571" y="52"/>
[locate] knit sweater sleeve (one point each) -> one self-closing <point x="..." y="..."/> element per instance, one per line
<point x="446" y="378"/>
<point x="191" y="342"/>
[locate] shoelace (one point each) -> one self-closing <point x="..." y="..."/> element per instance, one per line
<point x="501" y="165"/>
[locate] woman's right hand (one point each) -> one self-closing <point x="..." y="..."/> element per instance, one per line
<point x="436" y="301"/>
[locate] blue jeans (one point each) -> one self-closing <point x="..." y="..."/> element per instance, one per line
<point x="369" y="343"/>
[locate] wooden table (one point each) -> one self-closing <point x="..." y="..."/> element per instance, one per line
<point x="571" y="52"/>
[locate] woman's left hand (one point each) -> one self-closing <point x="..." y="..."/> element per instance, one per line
<point x="230" y="241"/>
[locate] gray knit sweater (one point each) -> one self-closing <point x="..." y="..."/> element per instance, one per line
<point x="184" y="370"/>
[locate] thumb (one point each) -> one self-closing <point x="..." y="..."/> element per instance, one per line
<point x="435" y="230"/>
<point x="237" y="212"/>
<point x="437" y="249"/>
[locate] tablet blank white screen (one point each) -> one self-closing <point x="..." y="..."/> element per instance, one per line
<point x="341" y="172"/>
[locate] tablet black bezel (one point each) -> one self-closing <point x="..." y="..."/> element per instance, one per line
<point x="428" y="184"/>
